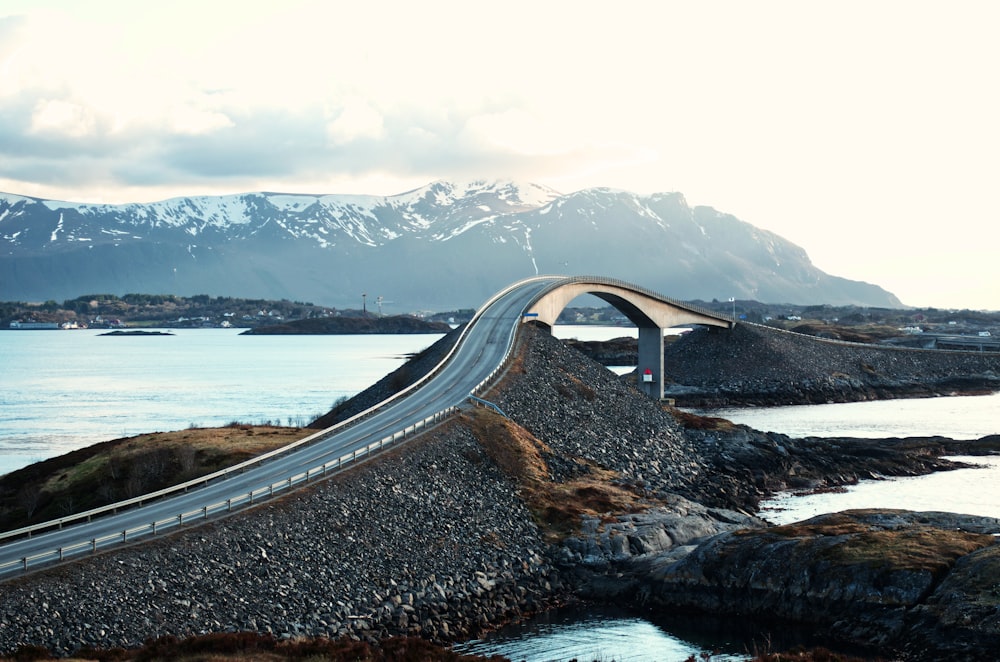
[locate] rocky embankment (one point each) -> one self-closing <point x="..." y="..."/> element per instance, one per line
<point x="441" y="538"/>
<point x="707" y="476"/>
<point x="759" y="365"/>
<point x="430" y="540"/>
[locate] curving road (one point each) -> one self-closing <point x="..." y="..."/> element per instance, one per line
<point x="482" y="349"/>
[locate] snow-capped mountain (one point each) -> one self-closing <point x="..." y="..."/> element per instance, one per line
<point x="445" y="245"/>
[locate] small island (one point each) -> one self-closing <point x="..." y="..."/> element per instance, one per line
<point x="394" y="324"/>
<point x="119" y="332"/>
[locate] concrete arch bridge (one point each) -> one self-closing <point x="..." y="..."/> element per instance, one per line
<point x="649" y="311"/>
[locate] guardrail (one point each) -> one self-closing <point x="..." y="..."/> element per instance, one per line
<point x="256" y="495"/>
<point x="255" y="461"/>
<point x="139" y="501"/>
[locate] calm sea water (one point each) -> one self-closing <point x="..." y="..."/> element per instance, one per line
<point x="62" y="390"/>
<point x="972" y="491"/>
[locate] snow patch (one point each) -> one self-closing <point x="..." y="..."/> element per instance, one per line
<point x="471" y="224"/>
<point x="59" y="226"/>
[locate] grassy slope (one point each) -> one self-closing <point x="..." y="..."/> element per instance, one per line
<point x="123" y="468"/>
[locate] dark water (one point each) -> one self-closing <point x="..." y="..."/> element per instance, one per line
<point x="605" y="633"/>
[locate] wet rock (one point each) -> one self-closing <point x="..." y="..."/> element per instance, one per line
<point x="920" y="582"/>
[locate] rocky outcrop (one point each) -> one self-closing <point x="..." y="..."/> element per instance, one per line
<point x="724" y="470"/>
<point x="668" y="452"/>
<point x="921" y="584"/>
<point x="672" y="528"/>
<point x="758" y="365"/>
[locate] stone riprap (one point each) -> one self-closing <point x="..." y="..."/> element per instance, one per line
<point x="582" y="410"/>
<point x="734" y="467"/>
<point x="430" y="540"/>
<point x="754" y="364"/>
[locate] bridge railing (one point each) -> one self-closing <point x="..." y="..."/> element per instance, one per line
<point x="244" y="499"/>
<point x="242" y="467"/>
<point x="158" y="526"/>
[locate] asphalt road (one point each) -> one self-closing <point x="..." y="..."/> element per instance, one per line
<point x="481" y="351"/>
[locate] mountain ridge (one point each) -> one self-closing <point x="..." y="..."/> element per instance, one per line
<point x="443" y="245"/>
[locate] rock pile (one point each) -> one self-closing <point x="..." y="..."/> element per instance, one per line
<point x="753" y="364"/>
<point x="428" y="540"/>
<point x="582" y="410"/>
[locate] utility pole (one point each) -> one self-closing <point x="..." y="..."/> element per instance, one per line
<point x="364" y="304"/>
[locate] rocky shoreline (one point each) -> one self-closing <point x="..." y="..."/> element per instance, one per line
<point x="440" y="539"/>
<point x="759" y="365"/>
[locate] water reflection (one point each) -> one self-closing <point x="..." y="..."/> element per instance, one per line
<point x="605" y="633"/>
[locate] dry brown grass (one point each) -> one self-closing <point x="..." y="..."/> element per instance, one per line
<point x="837" y="524"/>
<point x="111" y="471"/>
<point x="917" y="548"/>
<point x="556" y="507"/>
<point x="215" y="448"/>
<point x="696" y="422"/>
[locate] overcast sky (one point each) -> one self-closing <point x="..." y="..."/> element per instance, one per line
<point x="866" y="132"/>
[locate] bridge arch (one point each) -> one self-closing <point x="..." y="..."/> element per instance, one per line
<point x="649" y="311"/>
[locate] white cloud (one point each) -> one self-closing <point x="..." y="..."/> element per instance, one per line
<point x="192" y="121"/>
<point x="63" y="117"/>
<point x="357" y="120"/>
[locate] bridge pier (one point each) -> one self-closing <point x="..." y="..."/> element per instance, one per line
<point x="650" y="366"/>
<point x="649" y="311"/>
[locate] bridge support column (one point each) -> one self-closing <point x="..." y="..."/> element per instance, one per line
<point x="651" y="360"/>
